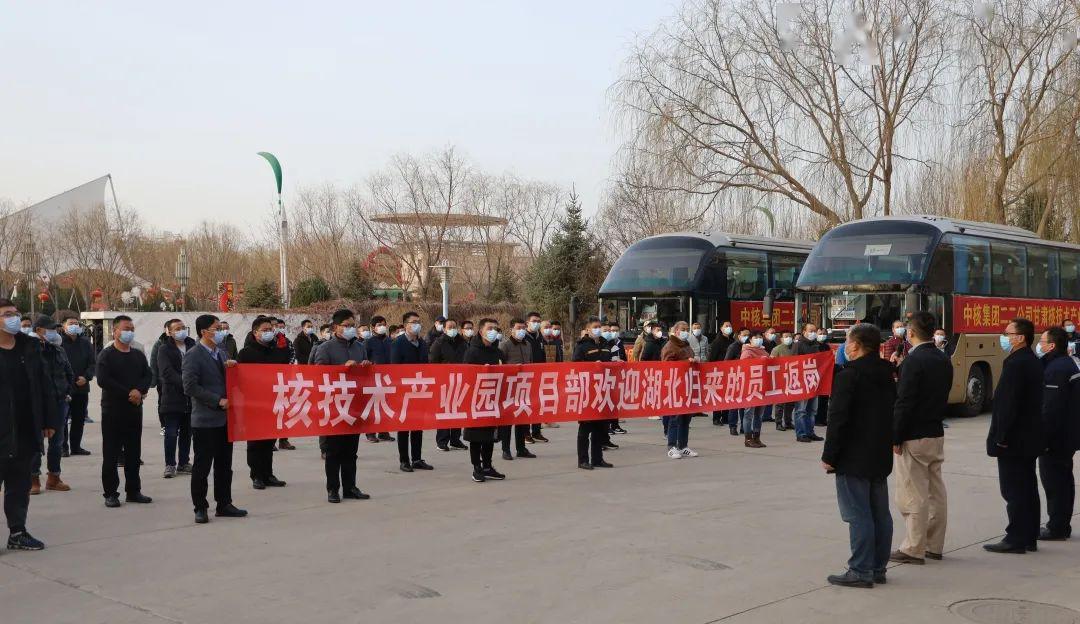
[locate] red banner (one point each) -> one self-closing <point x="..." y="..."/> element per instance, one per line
<point x="273" y="401"/>
<point x="748" y="314"/>
<point x="991" y="315"/>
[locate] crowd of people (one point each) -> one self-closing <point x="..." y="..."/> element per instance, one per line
<point x="886" y="410"/>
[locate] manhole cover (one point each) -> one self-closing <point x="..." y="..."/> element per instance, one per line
<point x="1002" y="611"/>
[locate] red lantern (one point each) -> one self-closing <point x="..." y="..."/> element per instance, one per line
<point x="43" y="296"/>
<point x="96" y="293"/>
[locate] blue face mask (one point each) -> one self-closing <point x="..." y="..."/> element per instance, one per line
<point x="26" y="330"/>
<point x="267" y="336"/>
<point x="52" y="336"/>
<point x="492" y="335"/>
<point x="180" y="334"/>
<point x="596" y="332"/>
<point x="415" y="327"/>
<point x="12" y="324"/>
<point x="348" y="333"/>
<point x="519" y="334"/>
<point x="127" y="337"/>
<point x="1006" y="344"/>
<point x="220" y="336"/>
<point x="366" y="334"/>
<point x="1039" y="350"/>
<point x="452" y="333"/>
<point x="73" y="330"/>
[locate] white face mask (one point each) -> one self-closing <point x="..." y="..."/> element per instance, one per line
<point x="899" y="332"/>
<point x="534" y="326"/>
<point x="743" y="339"/>
<point x="659" y="334"/>
<point x="468" y="333"/>
<point x="756" y="342"/>
<point x="822" y="337"/>
<point x="556" y="332"/>
<point x="1070" y="328"/>
<point x="787" y="340"/>
<point x="697" y="333"/>
<point x="380" y="329"/>
<point x="726" y="331"/>
<point x="811" y="336"/>
<point x="684" y="335"/>
<point x="547" y="331"/>
<point x="770" y="337"/>
<point x="939" y="339"/>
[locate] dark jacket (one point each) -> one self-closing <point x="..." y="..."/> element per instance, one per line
<point x="229" y="346"/>
<point x="378" y="349"/>
<point x="283" y="343"/>
<point x="514" y="352"/>
<point x="431" y="337"/>
<point x="404" y="352"/>
<point x="447" y="350"/>
<point x="1061" y="402"/>
<point x="256" y="352"/>
<point x="591" y="350"/>
<point x="118" y="373"/>
<point x="302" y="344"/>
<point x="204" y="382"/>
<point x="536" y="341"/>
<point x="44" y="407"/>
<point x="553" y="350"/>
<point x="859" y="438"/>
<point x="652" y="349"/>
<point x="152" y="360"/>
<point x="806" y="347"/>
<point x="618" y="350"/>
<point x="58" y="369"/>
<point x="734" y="352"/>
<point x="480" y="353"/>
<point x="718" y="348"/>
<point x="1016" y="422"/>
<point x="83" y="360"/>
<point x="922" y="395"/>
<point x="170" y="370"/>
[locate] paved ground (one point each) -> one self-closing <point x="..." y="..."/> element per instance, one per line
<point x="736" y="535"/>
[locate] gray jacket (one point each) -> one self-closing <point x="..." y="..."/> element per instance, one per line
<point x="338" y="351"/>
<point x="700" y="346"/>
<point x="515" y="352"/>
<point x="204" y="383"/>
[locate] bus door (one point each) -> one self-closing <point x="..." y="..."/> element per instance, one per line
<point x="809" y="308"/>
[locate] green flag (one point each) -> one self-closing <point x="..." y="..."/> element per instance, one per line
<point x="270" y="158"/>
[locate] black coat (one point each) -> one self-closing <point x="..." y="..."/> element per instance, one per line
<point x="171" y="396"/>
<point x="480" y="353"/>
<point x="229" y="346"/>
<point x="447" y="350"/>
<point x="590" y="350"/>
<point x="255" y="352"/>
<point x="859" y="438"/>
<point x="302" y="344"/>
<point x="922" y="395"/>
<point x="1016" y="422"/>
<point x="536" y="341"/>
<point x="734" y="350"/>
<point x="1061" y="402"/>
<point x="404" y="352"/>
<point x="44" y="404"/>
<point x="83" y="360"/>
<point x="651" y="351"/>
<point x="378" y="349"/>
<point x="806" y="347"/>
<point x="718" y="348"/>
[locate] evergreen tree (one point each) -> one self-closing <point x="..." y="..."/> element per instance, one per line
<point x="573" y="263"/>
<point x="311" y="290"/>
<point x="357" y="284"/>
<point x="262" y="294"/>
<point x="503" y="286"/>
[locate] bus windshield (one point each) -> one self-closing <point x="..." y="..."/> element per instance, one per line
<point x="667" y="263"/>
<point x="869" y="254"/>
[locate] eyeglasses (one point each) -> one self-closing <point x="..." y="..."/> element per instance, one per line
<point x="1010" y="334"/>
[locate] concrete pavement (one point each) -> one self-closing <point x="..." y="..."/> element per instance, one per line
<point x="736" y="535"/>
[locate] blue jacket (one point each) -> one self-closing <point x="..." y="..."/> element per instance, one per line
<point x="404" y="352"/>
<point x="1061" y="402"/>
<point x="378" y="349"/>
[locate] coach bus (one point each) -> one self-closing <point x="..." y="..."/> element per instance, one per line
<point x="704" y="278"/>
<point x="974" y="277"/>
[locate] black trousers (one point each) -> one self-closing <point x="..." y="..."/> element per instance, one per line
<point x="519" y="437"/>
<point x="534" y="429"/>
<point x="77" y="420"/>
<point x="212" y="451"/>
<point x="1020" y="489"/>
<point x="15" y="476"/>
<point x="443" y="437"/>
<point x="591" y="435"/>
<point x="341" y="461"/>
<point x="1056" y="470"/>
<point x="121" y="433"/>
<point x="260" y="459"/>
<point x="480" y="453"/>
<point x="410" y="441"/>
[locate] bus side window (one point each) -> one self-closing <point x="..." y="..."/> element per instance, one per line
<point x="1070" y="273"/>
<point x="1042" y="272"/>
<point x="970" y="263"/>
<point x="1009" y="269"/>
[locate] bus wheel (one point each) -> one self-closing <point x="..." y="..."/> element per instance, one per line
<point x="976" y="387"/>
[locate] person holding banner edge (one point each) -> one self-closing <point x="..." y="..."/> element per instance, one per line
<point x="260" y="348"/>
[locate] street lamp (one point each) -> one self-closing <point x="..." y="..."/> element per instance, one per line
<point x="183" y="274"/>
<point x="30" y="267"/>
<point x="443" y="271"/>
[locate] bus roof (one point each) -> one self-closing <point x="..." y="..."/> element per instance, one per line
<point x="738" y="241"/>
<point x="972" y="228"/>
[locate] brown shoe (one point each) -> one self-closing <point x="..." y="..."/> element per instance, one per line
<point x="899" y="556"/>
<point x="285" y="445"/>
<point x="53" y="482"/>
<point x="757" y="438"/>
<point x="529" y="439"/>
<point x="933" y="555"/>
<point x="35" y="485"/>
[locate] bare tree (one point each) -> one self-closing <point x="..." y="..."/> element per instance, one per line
<point x="92" y="247"/>
<point x="325" y="236"/>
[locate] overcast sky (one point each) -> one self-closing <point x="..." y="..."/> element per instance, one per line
<point x="175" y="99"/>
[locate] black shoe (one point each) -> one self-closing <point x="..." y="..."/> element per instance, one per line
<point x="1033" y="547"/>
<point x="609" y="446"/>
<point x="387" y="437"/>
<point x="138" y="497"/>
<point x="603" y="464"/>
<point x="780" y="427"/>
<point x="1046" y="536"/>
<point x="526" y="453"/>
<point x="112" y="501"/>
<point x="201" y="517"/>
<point x="507" y="456"/>
<point x="585" y="466"/>
<point x="478" y="476"/>
<point x="258" y="484"/>
<point x="879" y="578"/>
<point x="65" y="453"/>
<point x="355" y="494"/>
<point x="422" y="465"/>
<point x="273" y="481"/>
<point x="24" y="541"/>
<point x="933" y="555"/>
<point x="733" y="430"/>
<point x="815" y="438"/>
<point x="540" y="438"/>
<point x="405" y="467"/>
<point x="1004" y="547"/>
<point x="230" y="511"/>
<point x="80" y="452"/>
<point x="443" y="448"/>
<point x="619" y="430"/>
<point x="454" y="444"/>
<point x="333" y="497"/>
<point x="371" y="437"/>
<point x="849" y="579"/>
<point x="491" y="473"/>
<point x="803" y="439"/>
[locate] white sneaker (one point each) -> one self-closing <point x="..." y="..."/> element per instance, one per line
<point x="674" y="453"/>
<point x="686" y="452"/>
<point x="162" y="432"/>
<point x="653" y="418"/>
